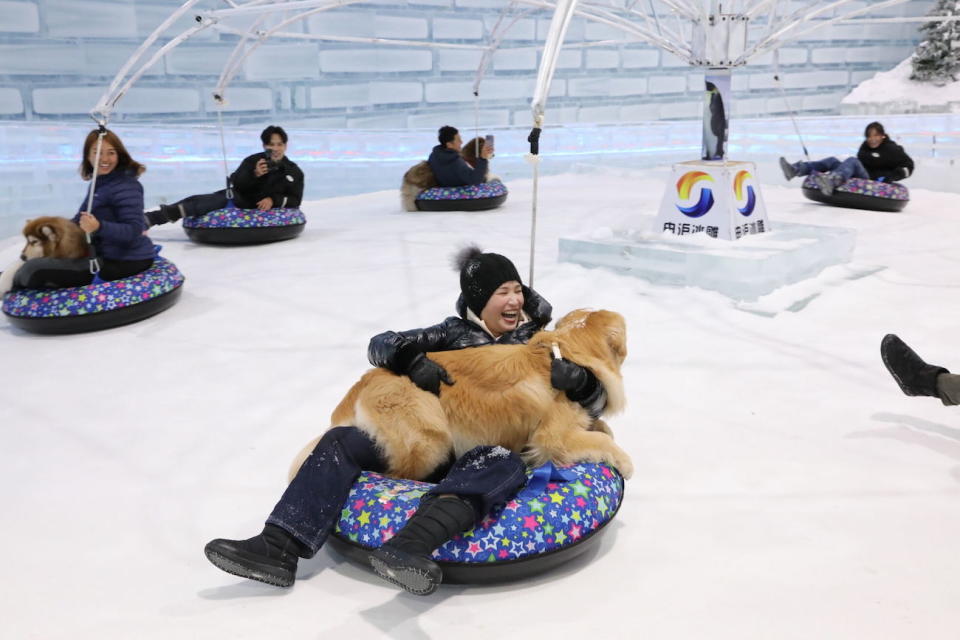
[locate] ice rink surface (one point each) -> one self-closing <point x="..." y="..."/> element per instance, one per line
<point x="785" y="488"/>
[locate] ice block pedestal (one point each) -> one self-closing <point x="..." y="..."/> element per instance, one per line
<point x="744" y="270"/>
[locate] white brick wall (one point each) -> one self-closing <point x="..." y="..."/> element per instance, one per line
<point x="19" y="17"/>
<point x="240" y="99"/>
<point x="90" y="18"/>
<point x="374" y="60"/>
<point x="11" y="103"/>
<point x="283" y="61"/>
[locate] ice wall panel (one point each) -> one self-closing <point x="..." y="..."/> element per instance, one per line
<point x="635" y="58"/>
<point x="150" y="16"/>
<point x="457" y="29"/>
<point x="240" y="99"/>
<point x="19" y="17"/>
<point x="90" y="18"/>
<point x="11" y="102"/>
<point x="204" y="60"/>
<point x="603" y="58"/>
<point x="458" y="59"/>
<point x="667" y="84"/>
<point x="374" y="60"/>
<point x="523" y="29"/>
<point x="579" y="87"/>
<point x="283" y="61"/>
<point x="35" y="59"/>
<point x="343" y="95"/>
<point x="79" y="100"/>
<point x="395" y="92"/>
<point x="516" y="59"/>
<point x="105" y="58"/>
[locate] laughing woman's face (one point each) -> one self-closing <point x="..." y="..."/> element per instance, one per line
<point x="502" y="312"/>
<point x="108" y="158"/>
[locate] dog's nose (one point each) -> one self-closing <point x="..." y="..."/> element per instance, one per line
<point x="23" y="257"/>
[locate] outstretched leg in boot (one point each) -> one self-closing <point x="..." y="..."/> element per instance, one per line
<point x="306" y="514"/>
<point x="481" y="480"/>
<point x="914" y="376"/>
<point x="193" y="206"/>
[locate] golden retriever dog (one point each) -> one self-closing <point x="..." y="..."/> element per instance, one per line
<point x="418" y="178"/>
<point x="501" y="396"/>
<point x="471" y="151"/>
<point x="47" y="237"/>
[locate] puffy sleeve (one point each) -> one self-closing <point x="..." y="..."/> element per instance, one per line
<point x="395" y="350"/>
<point x="127" y="205"/>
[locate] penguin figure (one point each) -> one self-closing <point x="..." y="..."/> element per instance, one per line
<point x="714" y="124"/>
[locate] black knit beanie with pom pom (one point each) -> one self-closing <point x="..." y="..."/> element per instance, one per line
<point x="481" y="274"/>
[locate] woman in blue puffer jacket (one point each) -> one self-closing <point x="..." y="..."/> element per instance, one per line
<point x="115" y="222"/>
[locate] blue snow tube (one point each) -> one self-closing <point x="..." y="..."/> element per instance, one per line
<point x="232" y="225"/>
<point x="558" y="516"/>
<point x="474" y="197"/>
<point x="96" y="306"/>
<point x="858" y="193"/>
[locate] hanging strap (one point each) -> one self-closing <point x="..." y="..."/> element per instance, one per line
<point x="783" y="93"/>
<point x="218" y="98"/>
<point x="534" y="158"/>
<point x="93" y="260"/>
<point x="543" y="476"/>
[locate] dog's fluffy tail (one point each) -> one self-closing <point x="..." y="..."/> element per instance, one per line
<point x="6" y="278"/>
<point x="408" y="196"/>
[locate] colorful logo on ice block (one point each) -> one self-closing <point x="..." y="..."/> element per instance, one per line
<point x="685" y="186"/>
<point x="741" y="177"/>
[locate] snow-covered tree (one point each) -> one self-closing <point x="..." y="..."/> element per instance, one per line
<point x="937" y="58"/>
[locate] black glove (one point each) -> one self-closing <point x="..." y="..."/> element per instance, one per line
<point x="427" y="374"/>
<point x="577" y="381"/>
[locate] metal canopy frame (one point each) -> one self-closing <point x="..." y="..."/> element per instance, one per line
<point x="647" y="21"/>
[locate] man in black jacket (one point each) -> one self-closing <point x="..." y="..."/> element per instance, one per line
<point x="263" y="181"/>
<point x="449" y="167"/>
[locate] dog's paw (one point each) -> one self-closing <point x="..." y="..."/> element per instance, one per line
<point x="623" y="464"/>
<point x="601" y="427"/>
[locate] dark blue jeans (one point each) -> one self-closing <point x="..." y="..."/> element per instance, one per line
<point x="849" y="168"/>
<point x="310" y="507"/>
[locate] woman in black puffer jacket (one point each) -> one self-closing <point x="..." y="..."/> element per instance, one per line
<point x="495" y="308"/>
<point x="879" y="158"/>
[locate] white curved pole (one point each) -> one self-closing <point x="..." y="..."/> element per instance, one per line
<point x="263" y="36"/>
<point x="774" y="39"/>
<point x="110" y="97"/>
<point x="548" y="60"/>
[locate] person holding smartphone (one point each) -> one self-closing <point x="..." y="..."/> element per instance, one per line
<point x="264" y="180"/>
<point x="448" y="165"/>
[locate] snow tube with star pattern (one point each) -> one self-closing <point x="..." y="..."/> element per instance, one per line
<point x="474" y="197"/>
<point x="857" y="193"/>
<point x="95" y="306"/>
<point x="231" y="225"/>
<point x="547" y="524"/>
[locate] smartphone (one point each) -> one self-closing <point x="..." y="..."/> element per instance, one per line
<point x="488" y="140"/>
<point x="268" y="156"/>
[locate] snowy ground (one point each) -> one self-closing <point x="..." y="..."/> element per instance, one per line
<point x="785" y="488"/>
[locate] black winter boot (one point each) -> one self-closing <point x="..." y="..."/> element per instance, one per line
<point x="789" y="171"/>
<point x="405" y="560"/>
<point x="270" y="557"/>
<point x="166" y="213"/>
<point x="915" y="377"/>
<point x="827" y="182"/>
